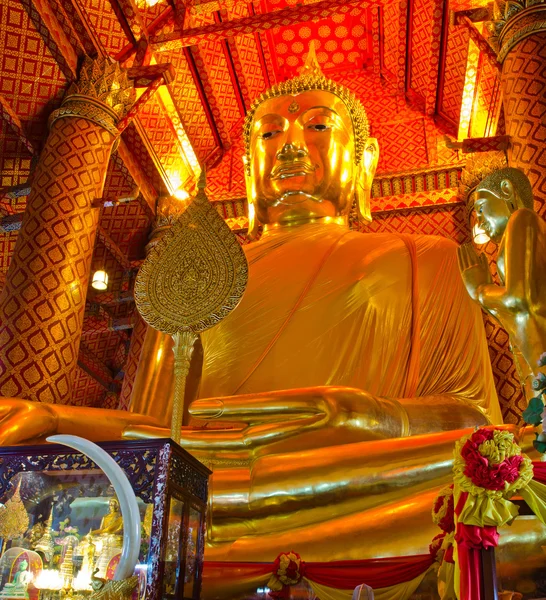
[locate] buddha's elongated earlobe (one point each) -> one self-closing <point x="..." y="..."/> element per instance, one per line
<point x="365" y="174"/>
<point x="508" y="193"/>
<point x="253" y="223"/>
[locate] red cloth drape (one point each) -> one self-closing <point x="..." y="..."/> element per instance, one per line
<point x="470" y="540"/>
<point x="539" y="472"/>
<point x="377" y="573"/>
<point x="343" y="575"/>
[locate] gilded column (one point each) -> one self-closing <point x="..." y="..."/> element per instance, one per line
<point x="43" y="300"/>
<point x="521" y="42"/>
<point x="152" y="391"/>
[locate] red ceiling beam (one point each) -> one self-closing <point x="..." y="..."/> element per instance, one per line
<point x="89" y="363"/>
<point x="164" y="17"/>
<point x="113" y="248"/>
<point x="8" y="115"/>
<point x="377" y="42"/>
<point x="180" y="7"/>
<point x="52" y="33"/>
<point x="66" y="23"/>
<point x="439" y="11"/>
<point x="291" y="15"/>
<point x="404" y="44"/>
<point x="136" y="172"/>
<point x="126" y="17"/>
<point x="85" y="33"/>
<point x="235" y="68"/>
<point x="206" y="94"/>
<point x="260" y="49"/>
<point x="150" y="77"/>
<point x="481" y="42"/>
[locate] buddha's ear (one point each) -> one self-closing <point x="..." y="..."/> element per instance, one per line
<point x="365" y="175"/>
<point x="253" y="223"/>
<point x="508" y="193"/>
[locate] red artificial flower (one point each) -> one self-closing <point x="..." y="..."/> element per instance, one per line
<point x="292" y="570"/>
<point x="478" y="469"/>
<point x="436" y="544"/>
<point x="482" y="435"/>
<point x="508" y="469"/>
<point x="447" y="523"/>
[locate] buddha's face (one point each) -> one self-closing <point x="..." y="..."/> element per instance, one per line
<point x="114" y="505"/>
<point x="302" y="158"/>
<point x="492" y="213"/>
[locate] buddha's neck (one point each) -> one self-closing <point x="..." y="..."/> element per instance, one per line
<point x="286" y="227"/>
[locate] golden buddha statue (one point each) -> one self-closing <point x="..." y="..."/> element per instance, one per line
<point x="112" y="522"/>
<point x="503" y="203"/>
<point x="339" y="385"/>
<point x="108" y="537"/>
<point x="333" y="394"/>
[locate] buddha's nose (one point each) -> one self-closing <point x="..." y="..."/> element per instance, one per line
<point x="291" y="152"/>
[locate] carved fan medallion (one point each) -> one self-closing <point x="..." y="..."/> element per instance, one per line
<point x="194" y="277"/>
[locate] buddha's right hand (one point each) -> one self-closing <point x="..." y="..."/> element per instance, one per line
<point x="288" y="420"/>
<point x="309" y="417"/>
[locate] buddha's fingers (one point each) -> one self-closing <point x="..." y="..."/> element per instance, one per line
<point x="462" y="257"/>
<point x="484" y="261"/>
<point x="262" y="408"/>
<point x="217" y="441"/>
<point x="467" y="256"/>
<point x="145" y="432"/>
<point x="192" y="438"/>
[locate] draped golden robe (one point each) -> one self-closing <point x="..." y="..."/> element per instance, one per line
<point x="325" y="306"/>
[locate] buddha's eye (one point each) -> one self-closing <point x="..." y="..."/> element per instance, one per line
<point x="267" y="135"/>
<point x="319" y="127"/>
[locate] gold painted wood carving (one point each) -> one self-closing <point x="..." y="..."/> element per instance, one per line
<point x="14" y="519"/>
<point x="193" y="278"/>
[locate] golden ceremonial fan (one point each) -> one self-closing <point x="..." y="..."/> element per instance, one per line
<point x="193" y="278"/>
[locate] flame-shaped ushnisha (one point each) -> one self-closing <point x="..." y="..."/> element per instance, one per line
<point x="193" y="278"/>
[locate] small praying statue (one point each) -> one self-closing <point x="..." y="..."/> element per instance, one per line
<point x="503" y="202"/>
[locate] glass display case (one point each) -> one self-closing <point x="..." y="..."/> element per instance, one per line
<point x="61" y="525"/>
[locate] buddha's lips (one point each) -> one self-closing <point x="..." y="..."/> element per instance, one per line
<point x="293" y="169"/>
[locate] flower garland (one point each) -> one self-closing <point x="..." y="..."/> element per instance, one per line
<point x="443" y="510"/>
<point x="436" y="545"/>
<point x="287" y="571"/>
<point x="443" y="515"/>
<point x="488" y="469"/>
<point x="489" y="462"/>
